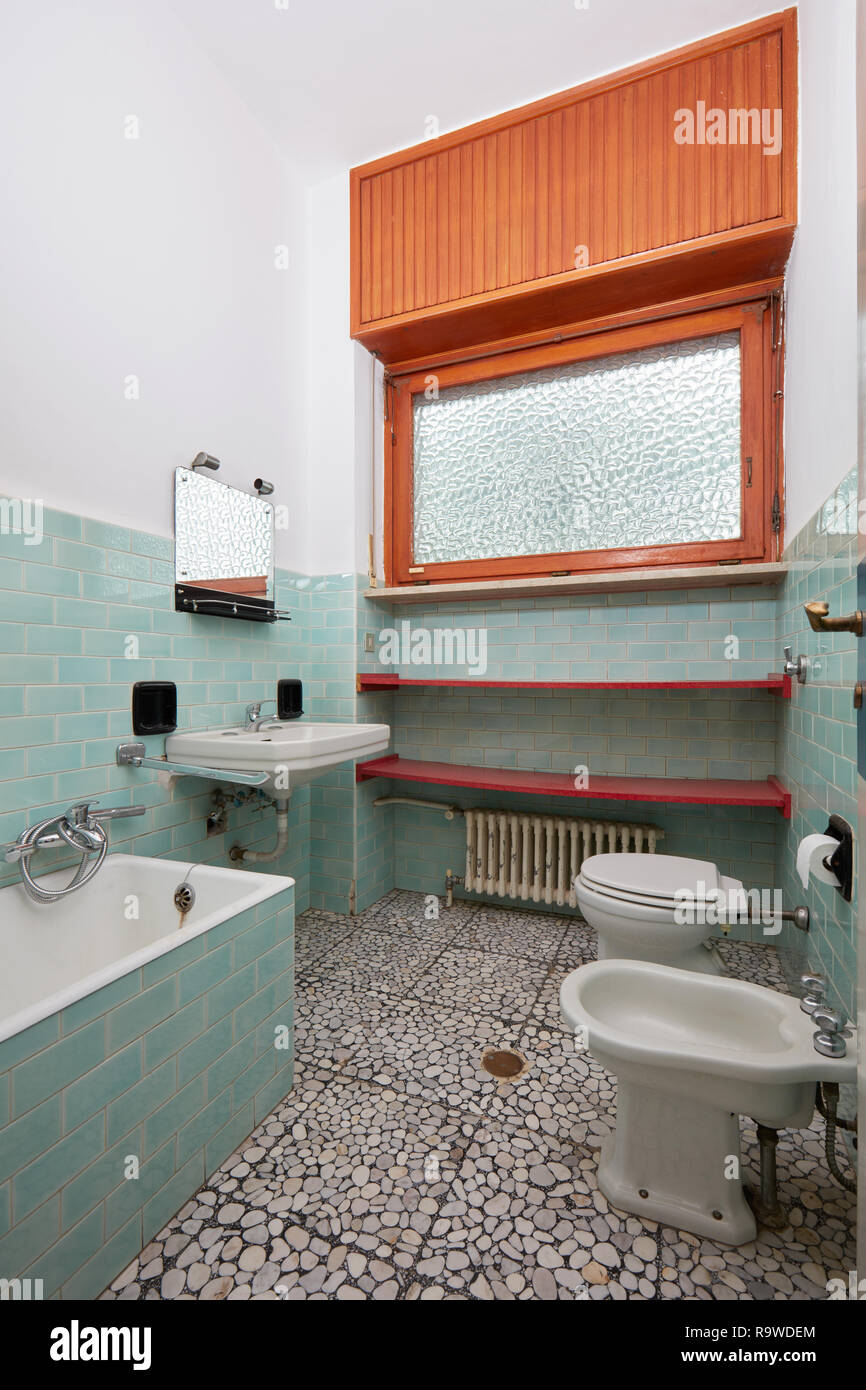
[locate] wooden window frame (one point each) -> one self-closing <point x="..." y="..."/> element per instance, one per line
<point x="759" y="483"/>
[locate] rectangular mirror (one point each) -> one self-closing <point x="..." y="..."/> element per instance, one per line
<point x="224" y="550"/>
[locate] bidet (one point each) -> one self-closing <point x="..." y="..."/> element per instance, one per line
<point x="691" y="1053"/>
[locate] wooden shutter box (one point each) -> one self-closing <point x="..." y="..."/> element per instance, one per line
<point x="475" y="236"/>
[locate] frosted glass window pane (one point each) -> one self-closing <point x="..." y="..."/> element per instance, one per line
<point x="638" y="449"/>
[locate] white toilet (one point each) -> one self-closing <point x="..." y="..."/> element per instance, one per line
<point x="630" y="901"/>
<point x="691" y="1054"/>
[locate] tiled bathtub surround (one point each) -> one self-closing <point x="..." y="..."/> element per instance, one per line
<point x="817" y="745"/>
<point x="171" y="1066"/>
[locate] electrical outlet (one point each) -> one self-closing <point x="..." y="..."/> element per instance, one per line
<point x="369" y="642"/>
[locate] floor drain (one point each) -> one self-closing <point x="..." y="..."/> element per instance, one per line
<point x="505" y="1063"/>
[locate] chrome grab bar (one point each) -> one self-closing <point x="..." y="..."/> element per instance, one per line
<point x="133" y="755"/>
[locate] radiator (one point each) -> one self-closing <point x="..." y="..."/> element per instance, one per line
<point x="537" y="858"/>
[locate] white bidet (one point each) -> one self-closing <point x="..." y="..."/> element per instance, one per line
<point x="693" y="1052"/>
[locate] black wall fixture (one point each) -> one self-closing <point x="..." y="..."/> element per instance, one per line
<point x="290" y="699"/>
<point x="841" y="861"/>
<point x="154" y="707"/>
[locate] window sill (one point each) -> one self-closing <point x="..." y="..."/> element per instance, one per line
<point x="598" y="582"/>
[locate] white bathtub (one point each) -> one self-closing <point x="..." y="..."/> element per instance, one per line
<point x="53" y="954"/>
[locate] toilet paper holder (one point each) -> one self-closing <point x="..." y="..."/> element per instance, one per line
<point x="841" y="861"/>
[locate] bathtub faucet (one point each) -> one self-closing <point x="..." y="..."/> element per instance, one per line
<point x="81" y="828"/>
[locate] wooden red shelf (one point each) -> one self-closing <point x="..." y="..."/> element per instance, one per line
<point x="387" y="680"/>
<point x="684" y="790"/>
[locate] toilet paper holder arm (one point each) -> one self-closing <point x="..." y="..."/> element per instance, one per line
<point x="819" y="620"/>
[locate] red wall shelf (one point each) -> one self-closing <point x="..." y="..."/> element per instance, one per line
<point x="685" y="790"/>
<point x="375" y="680"/>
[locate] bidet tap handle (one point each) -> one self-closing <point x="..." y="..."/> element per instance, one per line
<point x="815" y="988"/>
<point x="830" y="1037"/>
<point x="831" y="1020"/>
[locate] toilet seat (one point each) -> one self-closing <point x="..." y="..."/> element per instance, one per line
<point x="653" y="880"/>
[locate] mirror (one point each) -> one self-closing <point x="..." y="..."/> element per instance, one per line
<point x="224" y="550"/>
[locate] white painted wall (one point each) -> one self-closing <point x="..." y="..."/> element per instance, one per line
<point x="821" y="363"/>
<point x="151" y="257"/>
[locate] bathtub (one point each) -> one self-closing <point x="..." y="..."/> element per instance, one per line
<point x="54" y="954"/>
<point x="138" y="1048"/>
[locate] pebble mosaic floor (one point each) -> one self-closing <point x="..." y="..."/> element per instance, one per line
<point x="398" y="1169"/>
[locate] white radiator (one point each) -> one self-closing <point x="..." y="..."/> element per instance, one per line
<point x="512" y="855"/>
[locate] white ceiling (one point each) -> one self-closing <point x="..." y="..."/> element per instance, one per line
<point x="337" y="82"/>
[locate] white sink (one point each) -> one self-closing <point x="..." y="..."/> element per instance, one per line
<point x="292" y="753"/>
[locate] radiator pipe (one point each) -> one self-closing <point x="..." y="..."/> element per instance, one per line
<point x="449" y="811"/>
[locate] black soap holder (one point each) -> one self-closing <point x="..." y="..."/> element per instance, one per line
<point x="290" y="699"/>
<point x="154" y="707"/>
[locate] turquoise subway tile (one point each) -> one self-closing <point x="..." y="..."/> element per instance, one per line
<point x="107" y="535"/>
<point x="131" y="1194"/>
<point x="30" y="1041"/>
<point x="64" y="525"/>
<point x="198" y="1055"/>
<point x="160" y="547"/>
<point x="69" y="1253"/>
<point x="127" y="565"/>
<point x="53" y="699"/>
<point x="45" y="579"/>
<point x="170" y="1036"/>
<point x="45" y="1174"/>
<point x="204" y="973"/>
<point x="56" y="1066"/>
<point x="139" y="1014"/>
<point x="12" y="637"/>
<point x="166" y="1202"/>
<point x="24" y="1140"/>
<point x="115" y="1254"/>
<point x="104" y="586"/>
<point x="53" y="641"/>
<point x="99" y="1087"/>
<point x="230" y="1065"/>
<point x="99" y="1002"/>
<point x="76" y="556"/>
<point x="141" y="1100"/>
<point x="22" y="1249"/>
<point x="163" y="1123"/>
<point x="204" y="1126"/>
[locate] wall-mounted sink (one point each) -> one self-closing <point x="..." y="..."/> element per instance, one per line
<point x="292" y="754"/>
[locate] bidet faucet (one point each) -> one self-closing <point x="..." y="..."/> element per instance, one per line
<point x="830" y="1037"/>
<point x="815" y="987"/>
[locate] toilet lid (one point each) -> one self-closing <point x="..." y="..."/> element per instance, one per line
<point x="649" y="878"/>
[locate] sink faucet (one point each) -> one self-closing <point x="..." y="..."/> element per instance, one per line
<point x="81" y="828"/>
<point x="255" y="720"/>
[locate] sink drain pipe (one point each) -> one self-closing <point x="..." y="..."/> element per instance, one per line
<point x="239" y="855"/>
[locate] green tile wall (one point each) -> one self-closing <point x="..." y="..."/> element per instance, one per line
<point x="84" y="614"/>
<point x="173" y="1064"/>
<point x="817" y="742"/>
<point x="630" y="636"/>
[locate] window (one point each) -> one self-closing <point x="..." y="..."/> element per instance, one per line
<point x="640" y="446"/>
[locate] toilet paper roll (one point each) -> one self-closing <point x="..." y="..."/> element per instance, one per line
<point x="812" y="852"/>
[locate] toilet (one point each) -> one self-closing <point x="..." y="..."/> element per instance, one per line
<point x="630" y="900"/>
<point x="691" y="1053"/>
